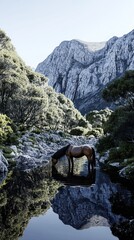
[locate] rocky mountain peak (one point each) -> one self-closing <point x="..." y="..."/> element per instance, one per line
<point x="74" y="69"/>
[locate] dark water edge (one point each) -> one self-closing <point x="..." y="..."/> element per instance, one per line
<point x="46" y="204"/>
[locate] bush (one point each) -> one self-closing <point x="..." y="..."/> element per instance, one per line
<point x="124" y="151"/>
<point x="97" y="132"/>
<point x="114" y="155"/>
<point x="5" y="128"/>
<point x="78" y="131"/>
<point x="105" y="143"/>
<point x="83" y="123"/>
<point x="7" y="150"/>
<point x="97" y="118"/>
<point x="121" y="125"/>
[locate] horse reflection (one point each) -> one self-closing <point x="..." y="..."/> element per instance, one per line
<point x="75" y="152"/>
<point x="74" y="180"/>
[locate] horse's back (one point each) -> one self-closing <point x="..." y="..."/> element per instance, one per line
<point x="76" y="151"/>
<point x="87" y="150"/>
<point x="79" y="151"/>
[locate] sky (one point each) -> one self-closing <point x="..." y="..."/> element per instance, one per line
<point x="37" y="27"/>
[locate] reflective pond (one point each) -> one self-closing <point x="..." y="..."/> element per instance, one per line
<point x="51" y="204"/>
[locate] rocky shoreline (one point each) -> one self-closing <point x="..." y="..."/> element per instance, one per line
<point x="115" y="170"/>
<point x="35" y="150"/>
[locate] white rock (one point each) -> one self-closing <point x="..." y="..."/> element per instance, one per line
<point x="3" y="159"/>
<point x="3" y="163"/>
<point x="115" y="164"/>
<point x="14" y="148"/>
<point x="122" y="172"/>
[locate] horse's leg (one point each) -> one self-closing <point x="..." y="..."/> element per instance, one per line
<point x="88" y="165"/>
<point x="93" y="159"/>
<point x="92" y="164"/>
<point x="68" y="164"/>
<point x="72" y="170"/>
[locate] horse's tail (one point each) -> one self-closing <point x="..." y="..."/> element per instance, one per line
<point x="93" y="156"/>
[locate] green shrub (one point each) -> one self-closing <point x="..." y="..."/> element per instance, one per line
<point x="5" y="128"/>
<point x="121" y="125"/>
<point x="7" y="150"/>
<point x="97" y="118"/>
<point x="114" y="155"/>
<point x="36" y="130"/>
<point x="62" y="98"/>
<point x="83" y="123"/>
<point x="13" y="138"/>
<point x="105" y="143"/>
<point x="124" y="151"/>
<point x="97" y="132"/>
<point x="127" y="149"/>
<point x="7" y="155"/>
<point x="78" y="131"/>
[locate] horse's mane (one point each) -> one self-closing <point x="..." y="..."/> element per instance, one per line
<point x="61" y="152"/>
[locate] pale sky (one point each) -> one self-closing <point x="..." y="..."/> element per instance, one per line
<point x="36" y="27"/>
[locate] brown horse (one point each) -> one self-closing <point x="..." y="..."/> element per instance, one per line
<point x="75" y="151"/>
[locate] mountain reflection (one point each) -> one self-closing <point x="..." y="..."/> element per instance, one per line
<point x="86" y="206"/>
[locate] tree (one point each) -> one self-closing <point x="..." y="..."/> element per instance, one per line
<point x="28" y="106"/>
<point x="120" y="124"/>
<point x="121" y="89"/>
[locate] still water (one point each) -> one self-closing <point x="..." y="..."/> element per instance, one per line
<point x="49" y="226"/>
<point x="50" y="204"/>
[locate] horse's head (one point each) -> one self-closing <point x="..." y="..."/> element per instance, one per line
<point x="54" y="161"/>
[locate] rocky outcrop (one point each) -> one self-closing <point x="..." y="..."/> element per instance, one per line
<point x="81" y="74"/>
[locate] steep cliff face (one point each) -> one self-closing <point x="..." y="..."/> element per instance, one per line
<point x="81" y="73"/>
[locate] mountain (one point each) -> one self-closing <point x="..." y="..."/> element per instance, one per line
<point x="81" y="73"/>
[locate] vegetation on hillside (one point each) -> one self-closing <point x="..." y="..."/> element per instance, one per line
<point x="26" y="98"/>
<point x="119" y="129"/>
<point x="97" y="119"/>
<point x="121" y="90"/>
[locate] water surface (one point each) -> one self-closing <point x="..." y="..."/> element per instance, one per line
<point x="49" y="226"/>
<point x="51" y="204"/>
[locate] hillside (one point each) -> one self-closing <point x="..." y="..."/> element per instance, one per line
<point x="25" y="96"/>
<point x="81" y="74"/>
